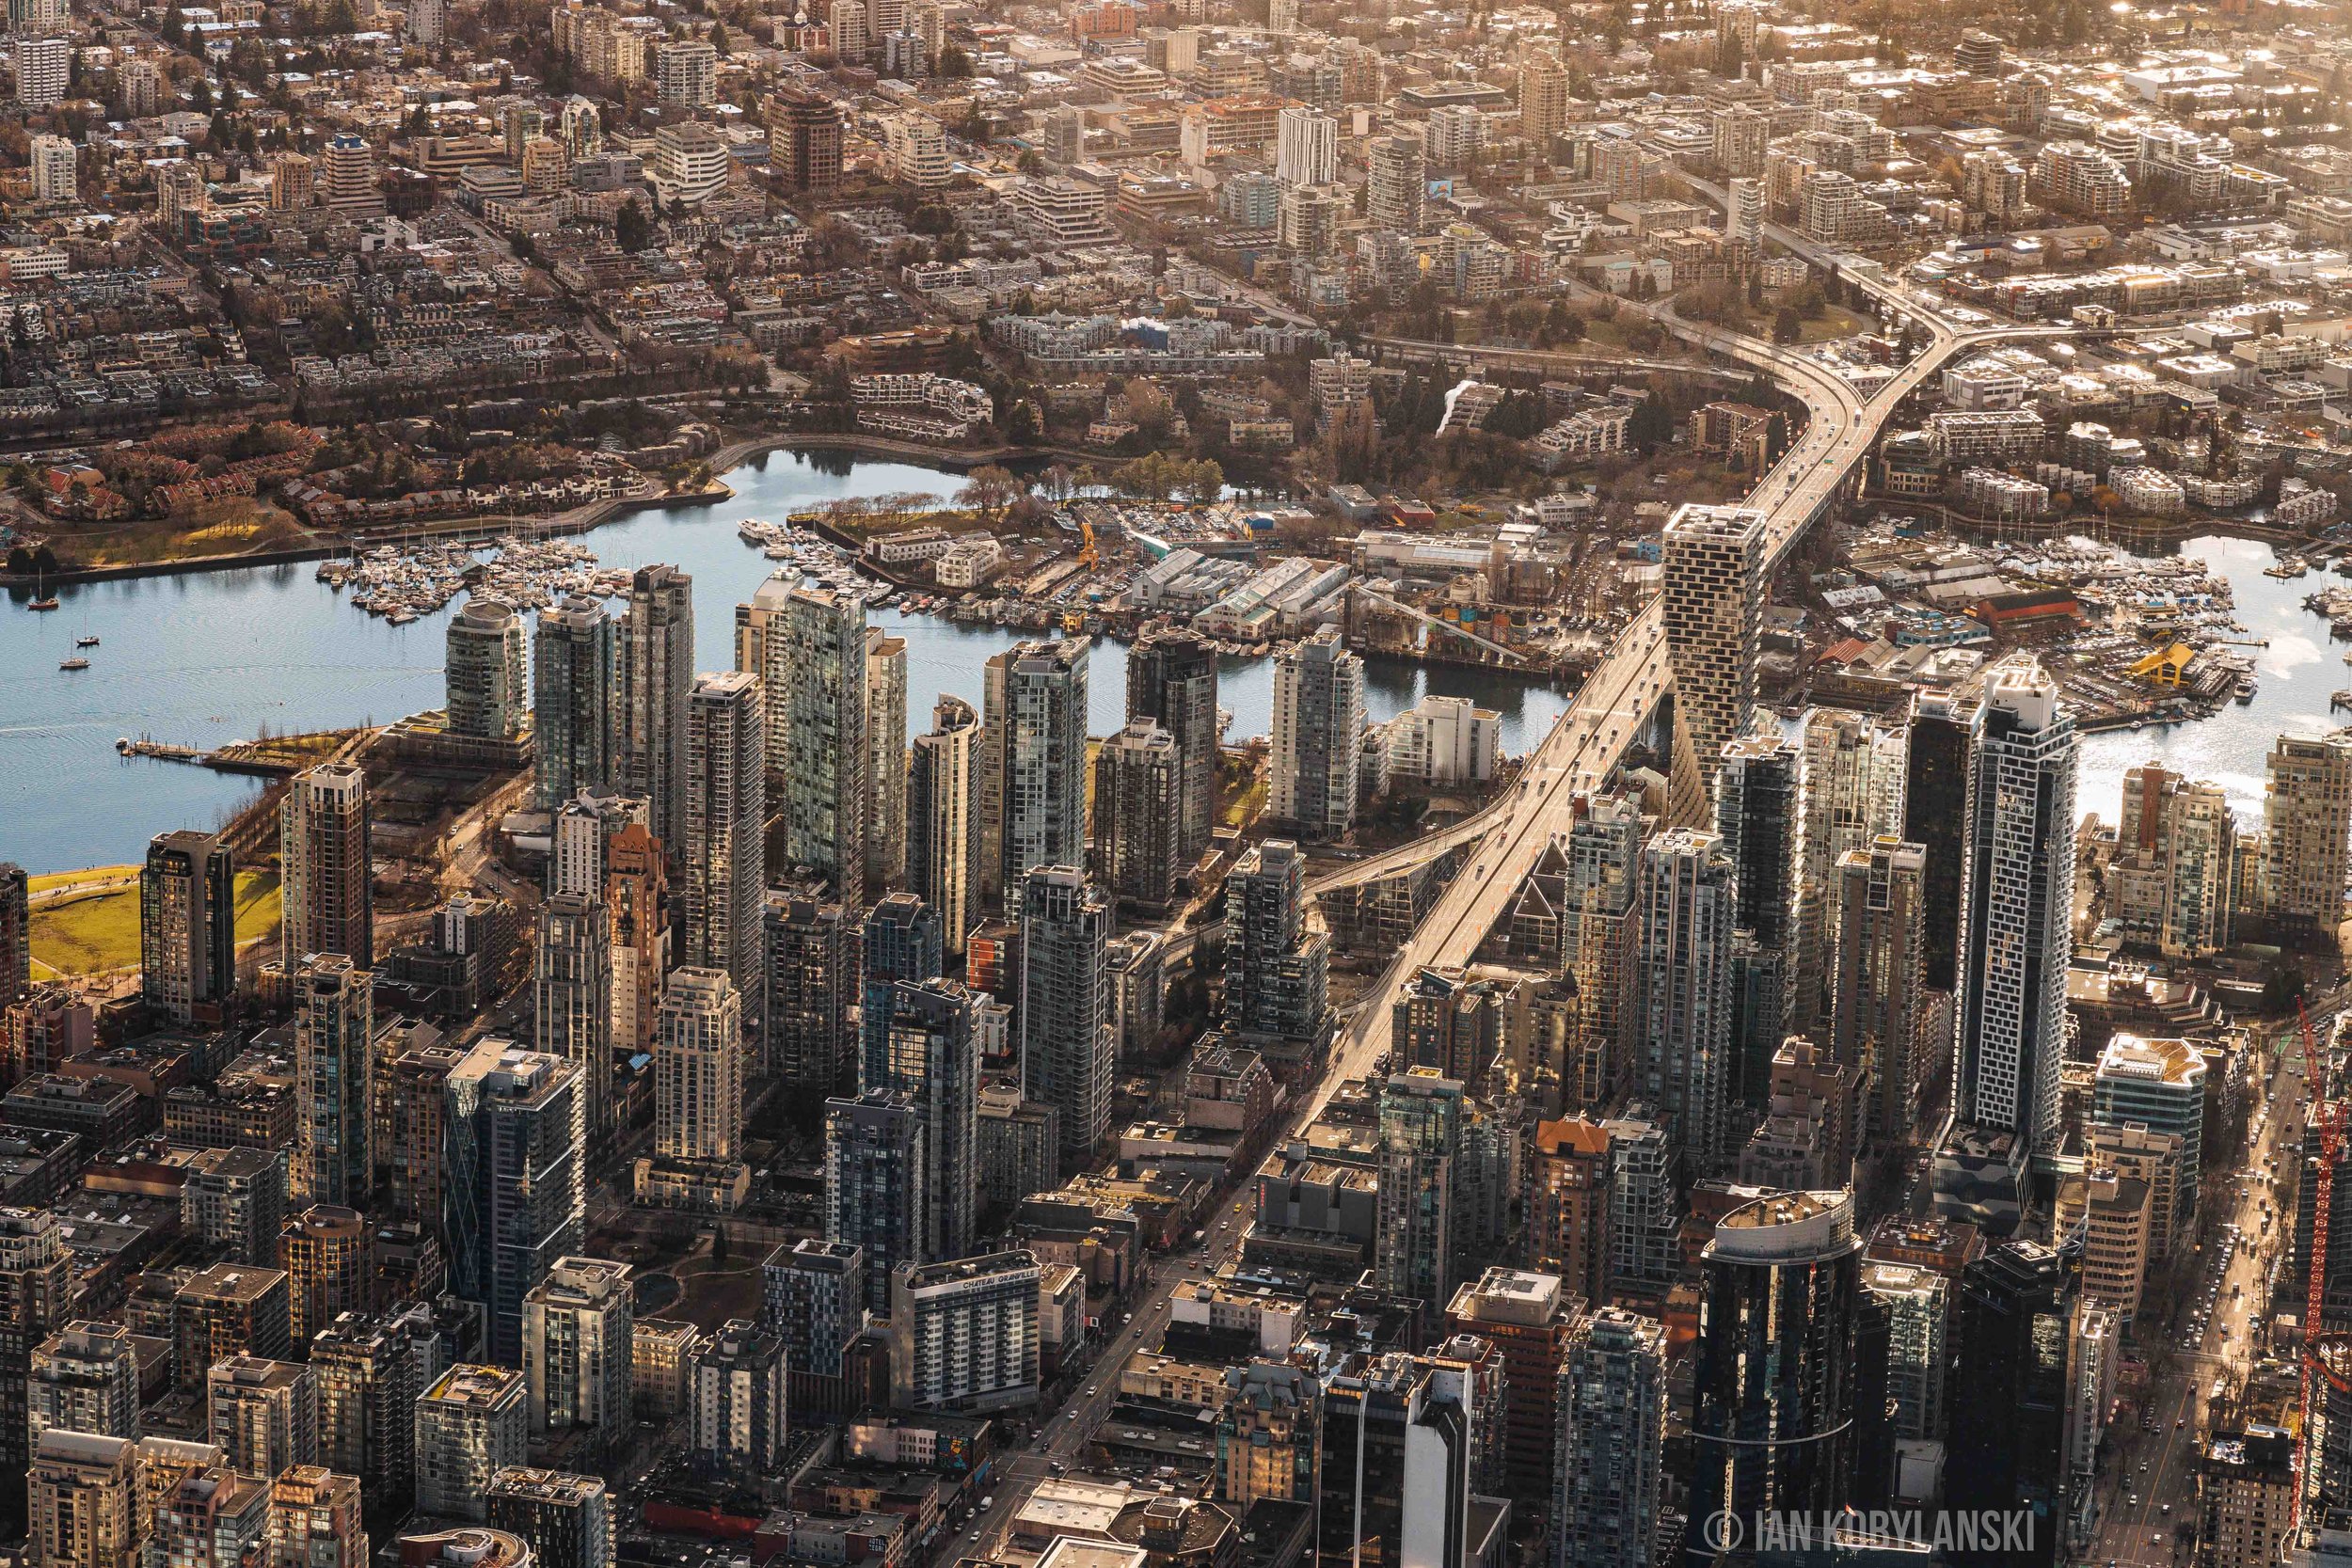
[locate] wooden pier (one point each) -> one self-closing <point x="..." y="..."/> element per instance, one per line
<point x="270" y="757"/>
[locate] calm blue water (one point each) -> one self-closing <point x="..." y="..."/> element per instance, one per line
<point x="208" y="659"/>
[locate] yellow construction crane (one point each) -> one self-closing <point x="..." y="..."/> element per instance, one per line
<point x="1086" y="555"/>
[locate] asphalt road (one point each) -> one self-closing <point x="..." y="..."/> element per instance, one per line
<point x="2150" y="1485"/>
<point x="1063" y="1438"/>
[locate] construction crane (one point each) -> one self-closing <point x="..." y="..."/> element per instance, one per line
<point x="2328" y="1114"/>
<point x="1086" y="556"/>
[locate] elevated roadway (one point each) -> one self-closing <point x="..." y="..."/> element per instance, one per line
<point x="1510" y="658"/>
<point x="1585" y="745"/>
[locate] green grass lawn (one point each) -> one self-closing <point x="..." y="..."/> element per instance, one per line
<point x="49" y="879"/>
<point x="98" y="932"/>
<point x="1249" y="806"/>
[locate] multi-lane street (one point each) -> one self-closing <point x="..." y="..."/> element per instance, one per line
<point x="1058" y="1444"/>
<point x="2152" y="1467"/>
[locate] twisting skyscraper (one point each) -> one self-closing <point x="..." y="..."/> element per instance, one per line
<point x="1713" y="604"/>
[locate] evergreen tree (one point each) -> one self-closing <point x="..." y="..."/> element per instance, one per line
<point x="1651" y="426"/>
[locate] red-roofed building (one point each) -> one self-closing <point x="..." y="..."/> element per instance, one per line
<point x="2027" y="607"/>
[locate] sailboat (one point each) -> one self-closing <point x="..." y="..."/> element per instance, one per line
<point x="75" y="662"/>
<point x="42" y="598"/>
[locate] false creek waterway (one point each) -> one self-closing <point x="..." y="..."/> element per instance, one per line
<point x="203" y="658"/>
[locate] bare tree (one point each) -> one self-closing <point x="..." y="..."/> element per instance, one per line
<point x="990" y="489"/>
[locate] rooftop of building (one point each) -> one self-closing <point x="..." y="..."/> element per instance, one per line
<point x="1068" y="1507"/>
<point x="1786" y="1227"/>
<point x="233" y="1282"/>
<point x="2174" y="1063"/>
<point x="327" y="1222"/>
<point x="927" y="1276"/>
<point x="2256" y="1446"/>
<point x="1072" y="1551"/>
<point x="559" y="1486"/>
<point x="665" y="1329"/>
<point x="1503" y="1295"/>
<point x="471" y="1383"/>
<point x="469" y="1547"/>
<point x="255" y="1372"/>
<point x="739" y="1340"/>
<point x="62" y="1445"/>
<point x="816" y="1255"/>
<point x="582" y="1279"/>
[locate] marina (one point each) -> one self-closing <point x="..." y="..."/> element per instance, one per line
<point x="799" y="550"/>
<point x="201" y="660"/>
<point x="404" y="583"/>
<point x="2154" y="640"/>
<point x="2284" y="644"/>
